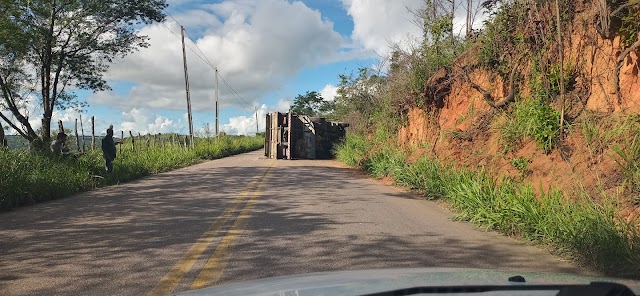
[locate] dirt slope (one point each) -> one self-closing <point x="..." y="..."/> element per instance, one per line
<point x="465" y="129"/>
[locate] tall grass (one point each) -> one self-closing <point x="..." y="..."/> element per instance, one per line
<point x="591" y="231"/>
<point x="352" y="151"/>
<point x="27" y="177"/>
<point x="534" y="119"/>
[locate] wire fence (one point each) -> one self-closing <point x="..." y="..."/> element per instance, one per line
<point x="127" y="141"/>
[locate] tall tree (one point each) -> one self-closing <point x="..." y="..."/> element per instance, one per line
<point x="312" y="104"/>
<point x="3" y="140"/>
<point x="50" y="47"/>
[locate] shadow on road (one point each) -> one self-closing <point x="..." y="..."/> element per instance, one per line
<point x="329" y="219"/>
<point x="311" y="217"/>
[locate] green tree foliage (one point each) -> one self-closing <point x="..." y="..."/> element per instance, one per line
<point x="312" y="104"/>
<point x="372" y="98"/>
<point x="70" y="44"/>
<point x="626" y="15"/>
<point x="359" y="97"/>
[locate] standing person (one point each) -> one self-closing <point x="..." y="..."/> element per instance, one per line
<point x="109" y="149"/>
<point x="59" y="145"/>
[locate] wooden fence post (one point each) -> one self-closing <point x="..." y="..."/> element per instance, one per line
<point x="121" y="140"/>
<point x="186" y="142"/>
<point x="93" y="133"/>
<point x="139" y="141"/>
<point x="82" y="133"/>
<point x="133" y="141"/>
<point x="77" y="137"/>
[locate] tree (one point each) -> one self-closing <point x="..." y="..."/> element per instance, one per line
<point x="359" y="97"/>
<point x="312" y="104"/>
<point x="50" y="47"/>
<point x="3" y="140"/>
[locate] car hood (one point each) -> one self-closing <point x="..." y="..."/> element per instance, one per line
<point x="382" y="280"/>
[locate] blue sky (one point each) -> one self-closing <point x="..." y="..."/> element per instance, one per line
<point x="268" y="51"/>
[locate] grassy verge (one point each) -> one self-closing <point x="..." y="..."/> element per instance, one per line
<point x="592" y="232"/>
<point x="27" y="177"/>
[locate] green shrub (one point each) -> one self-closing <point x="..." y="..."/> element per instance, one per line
<point x="385" y="162"/>
<point x="353" y="150"/>
<point x="522" y="165"/>
<point x="534" y="119"/>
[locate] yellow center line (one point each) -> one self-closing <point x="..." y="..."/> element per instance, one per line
<point x="174" y="277"/>
<point x="215" y="266"/>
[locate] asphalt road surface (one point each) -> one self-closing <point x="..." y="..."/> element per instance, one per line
<point x="235" y="219"/>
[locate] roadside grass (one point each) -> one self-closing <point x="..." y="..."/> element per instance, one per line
<point x="620" y="135"/>
<point x="592" y="232"/>
<point x="27" y="178"/>
<point x="600" y="132"/>
<point x="352" y="151"/>
<point x="628" y="160"/>
<point x="533" y="119"/>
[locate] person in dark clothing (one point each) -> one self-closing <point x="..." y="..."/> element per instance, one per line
<point x="109" y="149"/>
<point x="59" y="146"/>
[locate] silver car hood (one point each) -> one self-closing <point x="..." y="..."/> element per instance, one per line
<point x="382" y="280"/>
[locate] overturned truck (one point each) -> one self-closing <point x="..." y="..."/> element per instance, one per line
<point x="292" y="136"/>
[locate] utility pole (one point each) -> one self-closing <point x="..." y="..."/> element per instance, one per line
<point x="217" y="104"/>
<point x="186" y="82"/>
<point x="256" y="120"/>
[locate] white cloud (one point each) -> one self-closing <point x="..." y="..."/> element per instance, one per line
<point x="246" y="125"/>
<point x="282" y="106"/>
<point x="256" y="45"/>
<point x="145" y="122"/>
<point x="329" y="92"/>
<point x="378" y="24"/>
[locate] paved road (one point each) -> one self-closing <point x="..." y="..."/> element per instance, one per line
<point x="236" y="219"/>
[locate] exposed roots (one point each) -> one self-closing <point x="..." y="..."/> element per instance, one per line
<point x="488" y="98"/>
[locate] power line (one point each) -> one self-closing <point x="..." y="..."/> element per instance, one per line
<point x="241" y="105"/>
<point x="193" y="41"/>
<point x="236" y="94"/>
<point x="206" y="60"/>
<point x="173" y="18"/>
<point x="189" y="47"/>
<point x="233" y="90"/>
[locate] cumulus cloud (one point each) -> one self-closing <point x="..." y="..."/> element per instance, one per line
<point x="256" y="45"/>
<point x="282" y="106"/>
<point x="246" y="125"/>
<point x="145" y="122"/>
<point x="381" y="24"/>
<point x="378" y="24"/>
<point x="329" y="92"/>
